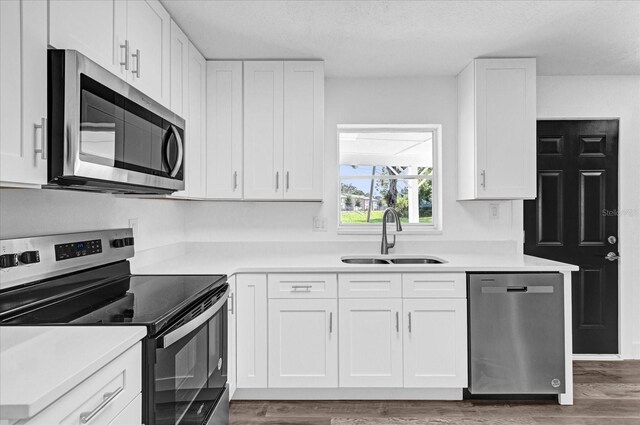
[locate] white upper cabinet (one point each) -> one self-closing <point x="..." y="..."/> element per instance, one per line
<point x="130" y="38"/>
<point x="149" y="35"/>
<point x="497" y="129"/>
<point x="196" y="131"/>
<point x="263" y="129"/>
<point x="23" y="88"/>
<point x="96" y="29"/>
<point x="224" y="129"/>
<point x="179" y="71"/>
<point x="303" y="129"/>
<point x="283" y="129"/>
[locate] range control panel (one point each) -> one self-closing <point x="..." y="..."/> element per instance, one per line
<point x="65" y="251"/>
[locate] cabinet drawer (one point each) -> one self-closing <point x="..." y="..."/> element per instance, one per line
<point x="131" y="415"/>
<point x="302" y="286"/>
<point x="370" y="285"/>
<point x="434" y="285"/>
<point x="120" y="381"/>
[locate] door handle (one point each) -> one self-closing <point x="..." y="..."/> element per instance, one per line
<point x="43" y="138"/>
<point x="137" y="56"/>
<point x="287" y="186"/>
<point x="235" y="180"/>
<point x="125" y="46"/>
<point x="397" y="322"/>
<point x="484" y="179"/>
<point x="331" y="322"/>
<point x="107" y="398"/>
<point x="277" y="180"/>
<point x="612" y="256"/>
<point x="176" y="167"/>
<point x="409" y="322"/>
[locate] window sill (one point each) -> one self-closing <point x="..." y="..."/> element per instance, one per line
<point x="406" y="230"/>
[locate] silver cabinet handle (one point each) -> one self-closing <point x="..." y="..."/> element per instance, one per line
<point x="397" y="322"/>
<point x="42" y="150"/>
<point x="409" y="322"/>
<point x="231" y="307"/>
<point x="612" y="256"/>
<point x="331" y="322"/>
<point x="235" y="180"/>
<point x="277" y="180"/>
<point x="302" y="288"/>
<point x="107" y="398"/>
<point x="287" y="179"/>
<point x="137" y="56"/>
<point x="484" y="179"/>
<point x="125" y="46"/>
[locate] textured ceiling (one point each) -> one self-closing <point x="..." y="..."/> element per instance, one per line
<point x="410" y="38"/>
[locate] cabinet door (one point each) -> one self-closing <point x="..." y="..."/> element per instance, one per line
<point x="251" y="344"/>
<point x="435" y="343"/>
<point x="371" y="343"/>
<point x="23" y="92"/>
<point x="263" y="130"/>
<point x="224" y="129"/>
<point x="505" y="128"/>
<point x="303" y="129"/>
<point x="231" y="337"/>
<point x="303" y="343"/>
<point x="149" y="34"/>
<point x="196" y="131"/>
<point x="98" y="30"/>
<point x="130" y="415"/>
<point x="179" y="71"/>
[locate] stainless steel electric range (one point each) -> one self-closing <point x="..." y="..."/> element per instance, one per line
<point x="84" y="279"/>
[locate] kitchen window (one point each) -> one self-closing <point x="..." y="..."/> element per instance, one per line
<point x="383" y="166"/>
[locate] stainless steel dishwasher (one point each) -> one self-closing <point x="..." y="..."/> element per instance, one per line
<point x="516" y="333"/>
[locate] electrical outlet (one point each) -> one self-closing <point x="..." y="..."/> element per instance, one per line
<point x="133" y="224"/>
<point x="319" y="224"/>
<point x="494" y="211"/>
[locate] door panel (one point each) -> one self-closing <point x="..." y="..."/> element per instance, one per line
<point x="570" y="221"/>
<point x="251" y="343"/>
<point x="263" y="130"/>
<point x="303" y="343"/>
<point x="371" y="343"/>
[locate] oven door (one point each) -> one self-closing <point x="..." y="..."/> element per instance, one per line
<point x="190" y="372"/>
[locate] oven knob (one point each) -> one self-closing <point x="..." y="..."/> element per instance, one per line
<point x="128" y="241"/>
<point x="29" y="257"/>
<point x="8" y="260"/>
<point x="117" y="243"/>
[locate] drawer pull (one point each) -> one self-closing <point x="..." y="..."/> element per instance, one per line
<point x="301" y="288"/>
<point x="107" y="398"/>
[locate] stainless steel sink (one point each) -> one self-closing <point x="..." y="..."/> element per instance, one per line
<point x="364" y="261"/>
<point x="392" y="260"/>
<point x="422" y="260"/>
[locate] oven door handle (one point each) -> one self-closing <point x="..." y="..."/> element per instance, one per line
<point x="184" y="330"/>
<point x="178" y="164"/>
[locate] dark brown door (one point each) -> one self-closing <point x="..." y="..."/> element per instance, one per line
<point x="574" y="220"/>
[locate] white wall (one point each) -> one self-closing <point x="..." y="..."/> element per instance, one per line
<point x="363" y="101"/>
<point x="610" y="97"/>
<point x="28" y="212"/>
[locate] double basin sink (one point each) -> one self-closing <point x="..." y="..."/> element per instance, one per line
<point x="392" y="260"/>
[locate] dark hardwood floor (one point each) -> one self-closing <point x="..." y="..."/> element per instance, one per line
<point x="605" y="393"/>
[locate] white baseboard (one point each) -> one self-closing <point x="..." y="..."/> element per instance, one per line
<point x="598" y="357"/>
<point x="348" y="394"/>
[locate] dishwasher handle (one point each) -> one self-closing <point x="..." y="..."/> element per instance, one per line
<point x="536" y="289"/>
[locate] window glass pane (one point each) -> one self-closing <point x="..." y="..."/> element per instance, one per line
<point x="363" y="201"/>
<point x="395" y="150"/>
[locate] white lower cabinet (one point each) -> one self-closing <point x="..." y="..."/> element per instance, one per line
<point x="370" y="342"/>
<point x="103" y="397"/>
<point x="435" y="342"/>
<point x="251" y="321"/>
<point x="231" y="337"/>
<point x="303" y="343"/>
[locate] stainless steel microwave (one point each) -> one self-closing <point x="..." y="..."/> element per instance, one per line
<point x="105" y="135"/>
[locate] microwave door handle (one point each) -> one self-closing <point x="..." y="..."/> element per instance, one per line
<point x="178" y="164"/>
<point x="184" y="330"/>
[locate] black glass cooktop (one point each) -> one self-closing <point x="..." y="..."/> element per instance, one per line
<point x="107" y="295"/>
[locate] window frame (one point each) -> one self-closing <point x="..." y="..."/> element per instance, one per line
<point x="436" y="177"/>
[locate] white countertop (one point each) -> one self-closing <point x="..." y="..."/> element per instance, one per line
<point x="38" y="364"/>
<point x="232" y="258"/>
